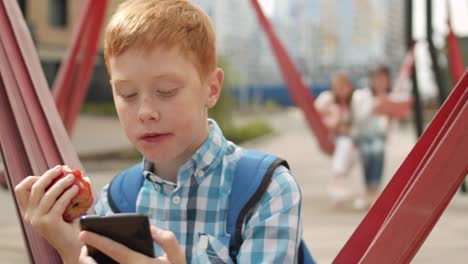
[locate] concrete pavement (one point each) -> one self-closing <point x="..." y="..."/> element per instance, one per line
<point x="326" y="228"/>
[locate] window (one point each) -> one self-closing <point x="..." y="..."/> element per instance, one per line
<point x="58" y="13"/>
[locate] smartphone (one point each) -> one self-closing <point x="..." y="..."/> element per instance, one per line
<point x="129" y="229"/>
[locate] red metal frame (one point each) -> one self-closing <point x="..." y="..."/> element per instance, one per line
<point x="299" y="93"/>
<point x="73" y="77"/>
<point x="35" y="138"/>
<point x="455" y="57"/>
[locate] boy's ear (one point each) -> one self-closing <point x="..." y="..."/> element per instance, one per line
<point x="215" y="83"/>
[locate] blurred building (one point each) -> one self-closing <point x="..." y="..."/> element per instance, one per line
<point x="321" y="36"/>
<point x="51" y="23"/>
<point x="394" y="33"/>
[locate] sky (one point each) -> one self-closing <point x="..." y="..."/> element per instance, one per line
<point x="268" y="6"/>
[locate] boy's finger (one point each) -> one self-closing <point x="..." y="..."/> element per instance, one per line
<point x="38" y="189"/>
<point x="169" y="244"/>
<point x="54" y="193"/>
<point x="84" y="258"/>
<point x="23" y="191"/>
<point x="61" y="204"/>
<point x="115" y="250"/>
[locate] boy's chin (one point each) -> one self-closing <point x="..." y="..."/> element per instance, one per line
<point x="166" y="158"/>
<point x="159" y="158"/>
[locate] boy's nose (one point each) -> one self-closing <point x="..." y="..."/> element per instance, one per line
<point x="148" y="112"/>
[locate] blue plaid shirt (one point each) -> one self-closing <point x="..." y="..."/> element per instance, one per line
<point x="195" y="208"/>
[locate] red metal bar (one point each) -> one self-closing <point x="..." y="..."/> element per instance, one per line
<point x="9" y="141"/>
<point x="32" y="136"/>
<point x="455" y="57"/>
<point x="65" y="73"/>
<point x="84" y="72"/>
<point x="426" y="199"/>
<point x="72" y="80"/>
<point x="16" y="32"/>
<point x="298" y="90"/>
<point x="19" y="75"/>
<point x="17" y="162"/>
<point x="413" y="169"/>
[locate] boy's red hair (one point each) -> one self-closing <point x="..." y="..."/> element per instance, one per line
<point x="146" y="24"/>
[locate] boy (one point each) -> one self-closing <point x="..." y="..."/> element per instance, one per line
<point x="161" y="57"/>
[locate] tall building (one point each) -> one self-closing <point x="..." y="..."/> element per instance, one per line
<point x="394" y="33"/>
<point x="235" y="27"/>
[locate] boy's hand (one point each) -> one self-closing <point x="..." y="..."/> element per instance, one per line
<point x="43" y="210"/>
<point x="122" y="254"/>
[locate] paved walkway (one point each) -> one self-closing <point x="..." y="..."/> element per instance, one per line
<point x="326" y="229"/>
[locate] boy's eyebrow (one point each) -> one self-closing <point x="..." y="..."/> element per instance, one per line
<point x="168" y="76"/>
<point x="119" y="81"/>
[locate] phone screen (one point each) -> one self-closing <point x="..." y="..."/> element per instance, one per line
<point x="129" y="229"/>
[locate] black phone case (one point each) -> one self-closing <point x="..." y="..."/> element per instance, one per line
<point x="129" y="229"/>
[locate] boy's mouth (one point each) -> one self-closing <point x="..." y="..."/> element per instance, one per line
<point x="154" y="137"/>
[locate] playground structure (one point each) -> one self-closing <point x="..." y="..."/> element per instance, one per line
<point x="442" y="143"/>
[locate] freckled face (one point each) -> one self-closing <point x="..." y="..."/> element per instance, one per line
<point x="161" y="103"/>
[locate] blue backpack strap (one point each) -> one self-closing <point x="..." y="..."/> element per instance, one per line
<point x="124" y="188"/>
<point x="251" y="179"/>
<point x="304" y="254"/>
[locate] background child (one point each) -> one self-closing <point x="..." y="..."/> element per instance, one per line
<point x="335" y="107"/>
<point x="373" y="108"/>
<point x="161" y="57"/>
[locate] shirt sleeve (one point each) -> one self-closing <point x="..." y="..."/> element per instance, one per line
<point x="323" y="101"/>
<point x="273" y="232"/>
<point x="101" y="207"/>
<point x="362" y="105"/>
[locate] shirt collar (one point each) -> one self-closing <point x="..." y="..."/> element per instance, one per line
<point x="206" y="158"/>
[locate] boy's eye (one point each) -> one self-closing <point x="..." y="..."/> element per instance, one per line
<point x="128" y="96"/>
<point x="167" y="93"/>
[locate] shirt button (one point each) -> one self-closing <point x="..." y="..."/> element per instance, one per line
<point x="157" y="187"/>
<point x="199" y="173"/>
<point x="176" y="200"/>
<point x="154" y="178"/>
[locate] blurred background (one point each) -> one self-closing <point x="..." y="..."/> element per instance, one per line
<point x="321" y="36"/>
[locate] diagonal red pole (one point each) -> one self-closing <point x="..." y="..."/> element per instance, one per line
<point x="73" y="78"/>
<point x="455" y="56"/>
<point x="298" y="90"/>
<point x="32" y="135"/>
<point x="455" y="59"/>
<point x="412" y="175"/>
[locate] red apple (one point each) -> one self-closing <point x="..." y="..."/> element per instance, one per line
<point x="83" y="200"/>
